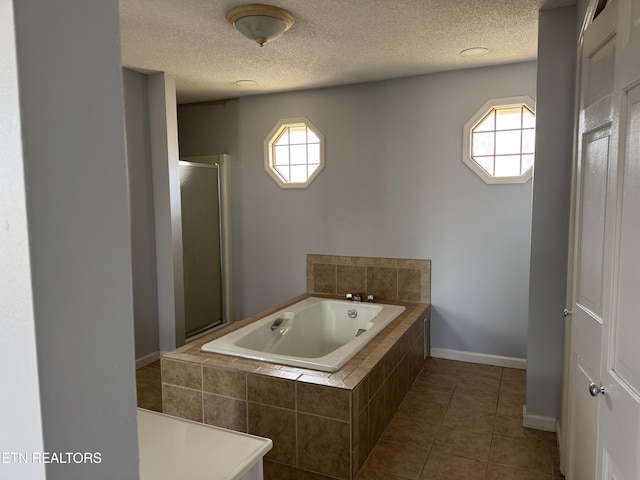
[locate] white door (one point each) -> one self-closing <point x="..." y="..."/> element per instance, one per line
<point x="619" y="407"/>
<point x="605" y="325"/>
<point x="594" y="217"/>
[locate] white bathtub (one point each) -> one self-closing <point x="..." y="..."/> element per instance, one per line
<point x="315" y="333"/>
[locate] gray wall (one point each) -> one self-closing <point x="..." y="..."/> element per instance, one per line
<point x="72" y="124"/>
<point x="551" y="210"/>
<point x="551" y="201"/>
<point x="20" y="403"/>
<point x="394" y="185"/>
<point x="145" y="296"/>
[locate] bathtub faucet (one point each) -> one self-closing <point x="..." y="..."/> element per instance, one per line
<point x="355" y="297"/>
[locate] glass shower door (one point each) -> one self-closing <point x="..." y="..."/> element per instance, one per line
<point x="200" y="195"/>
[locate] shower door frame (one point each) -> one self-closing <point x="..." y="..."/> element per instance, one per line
<point x="220" y="162"/>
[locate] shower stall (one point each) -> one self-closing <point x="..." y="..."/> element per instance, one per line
<point x="205" y="242"/>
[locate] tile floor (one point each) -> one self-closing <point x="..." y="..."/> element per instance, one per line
<point x="458" y="421"/>
<point x="149" y="387"/>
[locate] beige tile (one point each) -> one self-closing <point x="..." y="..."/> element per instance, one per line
<point x="478" y="386"/>
<point x="404" y="428"/>
<point x="183" y="374"/>
<point x="392" y="357"/>
<point x="271" y="391"/>
<point x="371" y="474"/>
<point x="392" y="395"/>
<point x="511" y="403"/>
<point x="462" y="443"/>
<point x="411" y="263"/>
<point x="182" y="402"/>
<point x="469" y="420"/>
<point x="150" y="398"/>
<point x="225" y="412"/>
<point x="449" y="467"/>
<point x="326" y="401"/>
<point x="443" y="367"/>
<point x="409" y="286"/>
<point x="365" y="261"/>
<point x="350" y="279"/>
<point x="361" y="395"/>
<point x="555" y="460"/>
<point x="364" y="446"/>
<point x="524" y="454"/>
<point x="511" y="427"/>
<point x="327" y="259"/>
<point x="382" y="282"/>
<point x="406" y="376"/>
<point x="377" y="417"/>
<point x="403" y="460"/>
<point x="421" y="409"/>
<point x="481" y="372"/>
<point x="149" y="373"/>
<point x="279" y="471"/>
<point x="376" y="378"/>
<point x="224" y="382"/>
<point x="324" y="279"/>
<point x="434" y="379"/>
<point x="149" y="387"/>
<point x="514" y="375"/>
<point x="500" y="472"/>
<point x="484" y="402"/>
<point x="279" y="425"/>
<point x="434" y="392"/>
<point x="331" y="438"/>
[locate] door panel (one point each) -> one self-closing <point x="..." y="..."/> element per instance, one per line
<point x="583" y="437"/>
<point x="600" y="72"/>
<point x="592" y="221"/>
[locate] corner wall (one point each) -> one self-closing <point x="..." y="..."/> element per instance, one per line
<point x="143" y="246"/>
<point x="394" y="185"/>
<point x="73" y="138"/>
<point x="551" y="211"/>
<point x="20" y="410"/>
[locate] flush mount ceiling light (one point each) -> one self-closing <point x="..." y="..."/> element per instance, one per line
<point x="261" y="23"/>
<point x="474" y="52"/>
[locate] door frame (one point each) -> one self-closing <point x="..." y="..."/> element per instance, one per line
<point x="223" y="164"/>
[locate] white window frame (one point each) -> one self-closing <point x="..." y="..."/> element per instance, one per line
<point x="467" y="157"/>
<point x="268" y="151"/>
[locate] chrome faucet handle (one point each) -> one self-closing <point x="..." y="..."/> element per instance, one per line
<point x="349" y="296"/>
<point x="370" y="298"/>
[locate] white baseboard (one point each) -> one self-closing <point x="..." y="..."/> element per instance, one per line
<point x="147" y="359"/>
<point x="538" y="422"/>
<point x="483" y="358"/>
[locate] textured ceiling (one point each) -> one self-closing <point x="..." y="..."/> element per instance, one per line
<point x="333" y="42"/>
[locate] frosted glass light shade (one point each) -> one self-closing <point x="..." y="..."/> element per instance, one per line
<point x="261" y="27"/>
<point x="260" y="23"/>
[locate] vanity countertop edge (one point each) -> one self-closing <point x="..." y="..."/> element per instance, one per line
<point x="172" y="448"/>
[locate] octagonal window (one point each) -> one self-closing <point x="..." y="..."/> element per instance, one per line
<point x="499" y="140"/>
<point x="294" y="153"/>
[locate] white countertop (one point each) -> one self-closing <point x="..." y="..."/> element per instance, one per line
<point x="173" y="448"/>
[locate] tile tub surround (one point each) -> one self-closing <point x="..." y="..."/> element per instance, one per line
<point x="321" y="422"/>
<point x="387" y="279"/>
